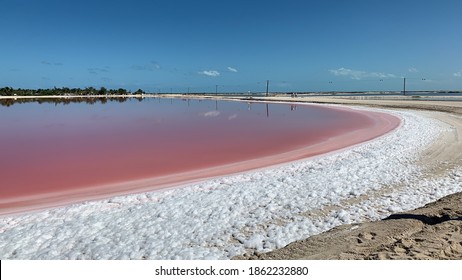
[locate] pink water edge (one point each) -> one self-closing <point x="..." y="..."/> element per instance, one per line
<point x="50" y="163"/>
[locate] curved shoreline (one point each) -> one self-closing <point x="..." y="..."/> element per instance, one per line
<point x="383" y="124"/>
<point x="429" y="232"/>
<point x="256" y="211"/>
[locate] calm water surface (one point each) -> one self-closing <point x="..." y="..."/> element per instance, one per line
<point x="54" y="147"/>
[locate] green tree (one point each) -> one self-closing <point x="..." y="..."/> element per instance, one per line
<point x="121" y="91"/>
<point x="139" y="91"/>
<point x="102" y="91"/>
<point x="6" y="91"/>
<point x="90" y="90"/>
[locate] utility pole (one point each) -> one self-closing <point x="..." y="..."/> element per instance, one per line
<point x="404" y="86"/>
<point x="267" y="86"/>
<point x="216" y="89"/>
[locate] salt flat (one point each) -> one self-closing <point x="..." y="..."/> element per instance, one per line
<point x="249" y="212"/>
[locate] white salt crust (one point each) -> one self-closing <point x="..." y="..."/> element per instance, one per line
<point x="260" y="210"/>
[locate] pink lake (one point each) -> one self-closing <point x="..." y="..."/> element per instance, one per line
<point x="53" y="154"/>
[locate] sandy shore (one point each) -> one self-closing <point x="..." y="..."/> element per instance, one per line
<point x="430" y="232"/>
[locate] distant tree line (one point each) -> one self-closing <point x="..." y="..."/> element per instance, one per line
<point x="65" y="91"/>
<point x="7" y="102"/>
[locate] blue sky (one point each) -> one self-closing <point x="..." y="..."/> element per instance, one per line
<point x="238" y="45"/>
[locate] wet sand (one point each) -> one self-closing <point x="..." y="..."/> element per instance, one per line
<point x="430" y="232"/>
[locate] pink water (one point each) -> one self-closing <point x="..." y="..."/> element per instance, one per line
<point x="56" y="153"/>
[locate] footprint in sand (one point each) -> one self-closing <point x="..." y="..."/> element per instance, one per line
<point x="363" y="237"/>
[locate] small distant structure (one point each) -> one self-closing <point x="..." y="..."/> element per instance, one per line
<point x="404" y="86"/>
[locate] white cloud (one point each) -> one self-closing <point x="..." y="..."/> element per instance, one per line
<point x="232" y="69"/>
<point x="457" y="74"/>
<point x="413" y="70"/>
<point x="211" y="73"/>
<point x="211" y="114"/>
<point x="151" y="66"/>
<point x="95" y="70"/>
<point x="358" y="75"/>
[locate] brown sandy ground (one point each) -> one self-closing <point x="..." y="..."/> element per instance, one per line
<point x="431" y="232"/>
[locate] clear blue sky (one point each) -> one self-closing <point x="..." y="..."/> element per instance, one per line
<point x="238" y="45"/>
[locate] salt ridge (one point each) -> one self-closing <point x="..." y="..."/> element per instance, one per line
<point x="224" y="217"/>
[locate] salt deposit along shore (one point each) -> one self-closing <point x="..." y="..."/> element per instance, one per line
<point x="252" y="212"/>
<point x="429" y="232"/>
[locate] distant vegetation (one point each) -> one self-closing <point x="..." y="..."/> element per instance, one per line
<point x="73" y="95"/>
<point x="87" y="100"/>
<point x="65" y="91"/>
